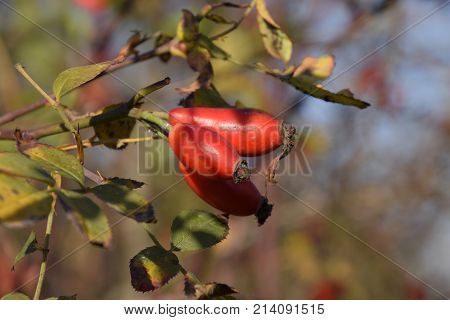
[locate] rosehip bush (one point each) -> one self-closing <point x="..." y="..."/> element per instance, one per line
<point x="208" y="135"/>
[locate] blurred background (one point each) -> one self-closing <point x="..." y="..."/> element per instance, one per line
<point x="372" y="219"/>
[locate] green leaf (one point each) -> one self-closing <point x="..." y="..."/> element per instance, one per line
<point x="187" y="28"/>
<point x="21" y="202"/>
<point x="152" y="268"/>
<point x="205" y="97"/>
<point x="208" y="8"/>
<point x="72" y="78"/>
<point x="8" y="146"/>
<point x="16" y="164"/>
<point x="196" y="229"/>
<point x="276" y="42"/>
<point x="57" y="160"/>
<point x="130" y="183"/>
<point x="89" y="216"/>
<point x="344" y="97"/>
<point x="110" y="133"/>
<point x="213" y="49"/>
<point x="15" y="296"/>
<point x="30" y="246"/>
<point x="126" y="201"/>
<point x="142" y="93"/>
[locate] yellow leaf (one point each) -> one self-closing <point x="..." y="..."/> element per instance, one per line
<point x="315" y="69"/>
<point x="20" y="201"/>
<point x="264" y="13"/>
<point x="276" y="42"/>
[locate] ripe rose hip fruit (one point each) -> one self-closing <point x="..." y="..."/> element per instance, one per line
<point x="241" y="199"/>
<point x="207" y="153"/>
<point x="251" y="132"/>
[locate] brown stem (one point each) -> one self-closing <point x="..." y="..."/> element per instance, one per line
<point x="85" y="122"/>
<point x="235" y="25"/>
<point x="7" y="135"/>
<point x="11" y="116"/>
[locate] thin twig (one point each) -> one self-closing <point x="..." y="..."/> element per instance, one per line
<point x="23" y="72"/>
<point x="48" y="231"/>
<point x="152" y="236"/>
<point x="13" y="115"/>
<point x="50" y="100"/>
<point x="235" y="25"/>
<point x="88" y="143"/>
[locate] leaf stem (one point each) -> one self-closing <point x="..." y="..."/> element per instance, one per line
<point x="45" y="248"/>
<point x="23" y="72"/>
<point x="182" y="269"/>
<point x="152" y="236"/>
<point x="55" y="104"/>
